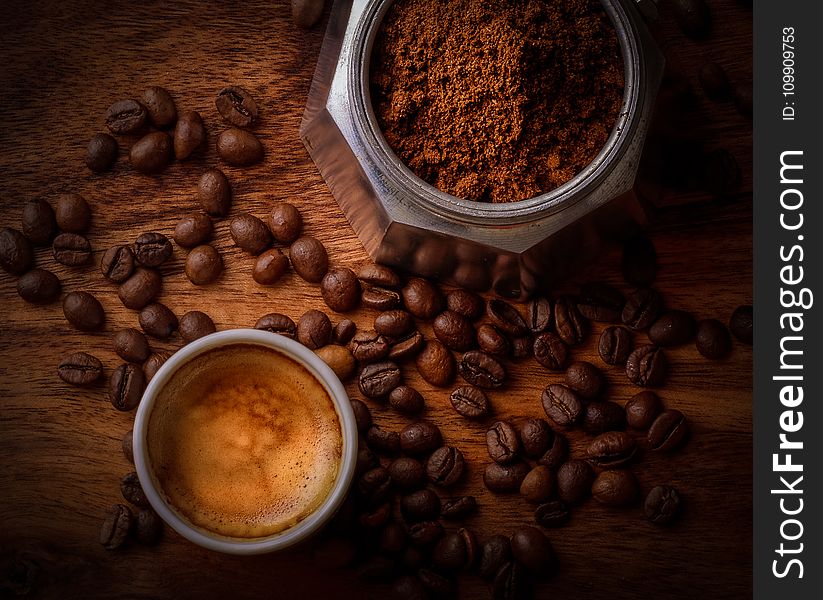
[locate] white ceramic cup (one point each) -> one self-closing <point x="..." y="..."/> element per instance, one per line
<point x="304" y="528"/>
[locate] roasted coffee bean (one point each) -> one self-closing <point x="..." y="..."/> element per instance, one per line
<point x="126" y="387"/>
<point x="492" y="341"/>
<point x="285" y="222"/>
<point x="539" y="314"/>
<point x="368" y="346"/>
<point x="16" y="255"/>
<point x="80" y="368"/>
<point x="713" y="340"/>
<point x="239" y="148"/>
<point x="374" y="486"/>
<point x="562" y="405"/>
<point x="505" y="478"/>
<point x="393" y="539"/>
<point x="127" y="445"/>
<point x="481" y="370"/>
<point x="522" y="346"/>
<point x="552" y="514"/>
<point x="673" y="328"/>
<point x="378" y="275"/>
<point x="269" y="267"/>
<point x="71" y="249"/>
<point x="662" y="505"/>
<point x="574" y="481"/>
<point x="148" y="527"/>
<point x="152" y="249"/>
<point x="314" y="329"/>
<point x="642" y="309"/>
<point x="38" y="222"/>
<point x="445" y="466"/>
<point x="568" y="322"/>
<point x="193" y="230"/>
<point x="405" y="587"/>
<point x="160" y="107"/>
<point x="642" y="409"/>
<point x="647" y="366"/>
<point x="189" y="134"/>
<point x="465" y="303"/>
<point x="83" y="311"/>
<point x="117" y="264"/>
<point x="362" y="415"/>
<point x="454" y="331"/>
<point x="616" y="488"/>
<point x="406" y="400"/>
<point x="510" y="582"/>
<point x="668" y="431"/>
<point x="152" y="153"/>
<point x="611" y="449"/>
<point x="377" y="569"/>
<point x="250" y="233"/>
<point x="194" y="325"/>
<point x="406" y="346"/>
<point x="435" y="363"/>
<point x="615" y="345"/>
<point x="420" y="505"/>
<point x="535" y="437"/>
<point x="153" y="364"/>
<point x="375" y="517"/>
<point x="132" y="490"/>
<point x="377" y="380"/>
<point x="532" y="549"/>
<point x="450" y="554"/>
<point x="437" y="585"/>
<point x="420" y="438"/>
<point x="126" y="117"/>
<point x="344" y="331"/>
<point x="340" y="289"/>
<point x="741" y="323"/>
<point x="158" y="320"/>
<point x="502" y="442"/>
<point x="494" y="553"/>
<point x="603" y="416"/>
<point x="551" y="351"/>
<point x="339" y="359"/>
<point x="101" y="153"/>
<point x="470" y="402"/>
<point x="407" y="473"/>
<point x="422" y="299"/>
<point x="557" y="453"/>
<point x="366" y="459"/>
<point x="693" y="17"/>
<point x="715" y="82"/>
<point x="116" y="526"/>
<point x="600" y="302"/>
<point x="506" y="317"/>
<point x="73" y="213"/>
<point x="379" y="298"/>
<point x="203" y="265"/>
<point x="277" y="323"/>
<point x="131" y="345"/>
<point x="538" y="485"/>
<point x="639" y="262"/>
<point x="39" y="286"/>
<point x="455" y="509"/>
<point x="393" y="323"/>
<point x="236" y="106"/>
<point x="309" y="258"/>
<point x="214" y="193"/>
<point x="585" y="379"/>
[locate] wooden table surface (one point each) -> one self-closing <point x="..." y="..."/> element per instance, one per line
<point x="60" y="459"/>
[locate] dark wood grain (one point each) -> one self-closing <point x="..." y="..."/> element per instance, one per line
<point x="60" y="459"/>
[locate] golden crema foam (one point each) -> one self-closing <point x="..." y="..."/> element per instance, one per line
<point x="244" y="441"/>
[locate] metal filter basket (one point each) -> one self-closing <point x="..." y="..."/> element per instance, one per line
<point x="514" y="248"/>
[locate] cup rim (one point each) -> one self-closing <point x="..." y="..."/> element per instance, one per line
<point x="280" y="540"/>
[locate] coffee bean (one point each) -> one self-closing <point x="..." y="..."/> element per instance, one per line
<point x="148" y="527"/>
<point x="80" y="368"/>
<point x="741" y="323"/>
<point x="152" y="153"/>
<point x="481" y="370"/>
<point x="379" y="276"/>
<point x="362" y="415"/>
<point x="189" y="134"/>
<point x="117" y="263"/>
<point x="160" y="107"/>
<point x="454" y="331"/>
<point x="375" y="517"/>
<point x="693" y="17"/>
<point x="239" y="148"/>
<point x="506" y="317"/>
<point x="562" y="405"/>
<point x="715" y="82"/>
<point x="420" y="505"/>
<point x="437" y="585"/>
<point x="455" y="509"/>
<point x="132" y="490"/>
<point x="445" y="466"/>
<point x="603" y="416"/>
<point x="116" y="527"/>
<point x="16" y="255"/>
<point x="153" y="364"/>
<point x="39" y="286"/>
<point x="377" y="380"/>
<point x="406" y="400"/>
<point x="203" y="265"/>
<point x="435" y="363"/>
<point x="193" y="230"/>
<point x="393" y="323"/>
<point x="83" y="311"/>
<point x="615" y="345"/>
<point x="369" y="346"/>
<point x="492" y="341"/>
<point x="422" y="299"/>
<point x="642" y="309"/>
<point x="494" y="553"/>
<point x="552" y="514"/>
<point x="662" y="505"/>
<point x="379" y="298"/>
<point x="38" y="222"/>
<point x="101" y="153"/>
<point x="131" y="345"/>
<point x="465" y="303"/>
<point x="539" y="312"/>
<point x="405" y="346"/>
<point x="393" y="539"/>
<point x="450" y="554"/>
<point x="152" y="249"/>
<point x="309" y="258"/>
<point x="250" y="233"/>
<point x="214" y="193"/>
<point x="551" y="351"/>
<point x="538" y="485"/>
<point x="600" y="302"/>
<point x="407" y="473"/>
<point x="505" y="478"/>
<point x="158" y="320"/>
<point x="585" y="379"/>
<point x="339" y="359"/>
<point x="502" y="442"/>
<point x="385" y="442"/>
<point x="374" y="486"/>
<point x="647" y="366"/>
<point x="639" y="262"/>
<point x="713" y="340"/>
<point x="340" y="289"/>
<point x="366" y="459"/>
<point x="673" y="328"/>
<point x="420" y="438"/>
<point x="314" y="329"/>
<point x="127" y="445"/>
<point x="236" y="106"/>
<point x="574" y="481"/>
<point x="510" y="582"/>
<point x="532" y="549"/>
<point x="569" y="323"/>
<point x="277" y="323"/>
<point x="611" y="449"/>
<point x="668" y="431"/>
<point x="126" y="117"/>
<point x="285" y="222"/>
<point x="71" y="249"/>
<point x="617" y="488"/>
<point x="535" y="437"/>
<point x="405" y="587"/>
<point x="344" y="331"/>
<point x="470" y="402"/>
<point x="126" y="387"/>
<point x="642" y="409"/>
<point x="557" y="453"/>
<point x="73" y="213"/>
